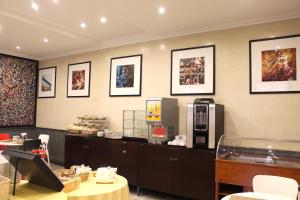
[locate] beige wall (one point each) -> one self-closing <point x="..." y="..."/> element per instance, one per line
<point x="267" y="115"/>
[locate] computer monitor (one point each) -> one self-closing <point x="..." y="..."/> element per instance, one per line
<point x="34" y="168"/>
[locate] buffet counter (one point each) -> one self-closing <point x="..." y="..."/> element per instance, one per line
<point x="88" y="190"/>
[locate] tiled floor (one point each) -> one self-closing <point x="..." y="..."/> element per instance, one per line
<point x="144" y="194"/>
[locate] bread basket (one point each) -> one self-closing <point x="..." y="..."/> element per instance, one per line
<point x="4" y="188"/>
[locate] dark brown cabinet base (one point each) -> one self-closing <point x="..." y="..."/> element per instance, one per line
<point x="174" y="170"/>
<point x="177" y="170"/>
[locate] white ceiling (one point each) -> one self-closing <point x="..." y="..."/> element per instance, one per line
<point x="128" y="21"/>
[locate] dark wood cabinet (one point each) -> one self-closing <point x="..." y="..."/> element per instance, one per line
<point x="155" y="168"/>
<point x="125" y="158"/>
<point x="97" y="152"/>
<point x="193" y="173"/>
<point x="91" y="151"/>
<point x="177" y="170"/>
<point x="74" y="150"/>
<point x="169" y="169"/>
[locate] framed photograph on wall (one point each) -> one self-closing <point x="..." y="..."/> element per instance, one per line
<point x="126" y="76"/>
<point x="47" y="82"/>
<point x="79" y="79"/>
<point x="193" y="71"/>
<point x="274" y="65"/>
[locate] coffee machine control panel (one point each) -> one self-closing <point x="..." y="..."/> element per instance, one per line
<point x="201" y="117"/>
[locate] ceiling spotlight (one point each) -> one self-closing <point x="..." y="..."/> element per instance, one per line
<point x="18" y="47"/>
<point x="161" y="10"/>
<point x="55" y="1"/>
<point x="103" y="20"/>
<point x="82" y="25"/>
<point x="46" y="40"/>
<point x="34" y="6"/>
<point x="162" y="46"/>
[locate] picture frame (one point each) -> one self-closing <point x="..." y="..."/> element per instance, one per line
<point x="47" y="82"/>
<point x="78" y="84"/>
<point x="193" y="71"/>
<point x="274" y="65"/>
<point x="126" y="76"/>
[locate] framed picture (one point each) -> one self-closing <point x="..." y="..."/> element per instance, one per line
<point x="193" y="71"/>
<point x="274" y="65"/>
<point x="79" y="79"/>
<point x="125" y="76"/>
<point x="47" y="82"/>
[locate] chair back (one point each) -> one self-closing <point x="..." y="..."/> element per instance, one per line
<point x="4" y="136"/>
<point x="31" y="144"/>
<point x="44" y="139"/>
<point x="275" y="185"/>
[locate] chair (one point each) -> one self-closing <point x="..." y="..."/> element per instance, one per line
<point x="44" y="145"/>
<point x="4" y="136"/>
<point x="275" y="185"/>
<point x="31" y="144"/>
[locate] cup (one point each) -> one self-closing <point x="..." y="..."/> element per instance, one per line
<point x="16" y="139"/>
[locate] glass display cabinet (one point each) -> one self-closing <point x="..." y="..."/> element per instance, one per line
<point x="258" y="150"/>
<point x="239" y="159"/>
<point x="134" y="124"/>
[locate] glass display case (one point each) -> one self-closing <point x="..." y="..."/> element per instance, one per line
<point x="134" y="124"/>
<point x="259" y="150"/>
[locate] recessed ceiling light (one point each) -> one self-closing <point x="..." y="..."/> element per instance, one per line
<point x="82" y="25"/>
<point x="18" y="47"/>
<point x="46" y="40"/>
<point x="161" y="10"/>
<point x="103" y="20"/>
<point x="55" y="1"/>
<point x="34" y="6"/>
<point x="162" y="46"/>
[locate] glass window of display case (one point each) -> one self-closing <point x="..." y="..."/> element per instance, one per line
<point x="260" y="150"/>
<point x="134" y="124"/>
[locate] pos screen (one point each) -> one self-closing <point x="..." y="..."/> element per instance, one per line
<point x="34" y="168"/>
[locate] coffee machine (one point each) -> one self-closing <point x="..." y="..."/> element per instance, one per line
<point x="205" y="123"/>
<point x="162" y="119"/>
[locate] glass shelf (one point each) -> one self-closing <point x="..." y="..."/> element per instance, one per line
<point x="134" y="124"/>
<point x="260" y="150"/>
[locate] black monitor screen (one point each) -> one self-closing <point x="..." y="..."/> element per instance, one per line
<point x="34" y="168"/>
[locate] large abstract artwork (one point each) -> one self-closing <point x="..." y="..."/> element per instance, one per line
<point x="18" y="86"/>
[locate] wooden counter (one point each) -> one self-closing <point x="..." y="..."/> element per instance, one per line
<point x="234" y="176"/>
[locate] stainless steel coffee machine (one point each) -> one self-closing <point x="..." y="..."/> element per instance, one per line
<point x="205" y="123"/>
<point x="162" y="119"/>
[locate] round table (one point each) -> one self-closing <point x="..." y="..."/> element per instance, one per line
<point x="88" y="190"/>
<point x="256" y="195"/>
<point x="10" y="143"/>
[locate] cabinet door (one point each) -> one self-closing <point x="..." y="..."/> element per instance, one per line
<point x="125" y="158"/>
<point x="193" y="173"/>
<point x="155" y="168"/>
<point x="74" y="152"/>
<point x="97" y="152"/>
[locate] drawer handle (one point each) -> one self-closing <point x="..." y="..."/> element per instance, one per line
<point x="173" y="159"/>
<point x="124" y="151"/>
<point x="86" y="147"/>
<point x="124" y="142"/>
